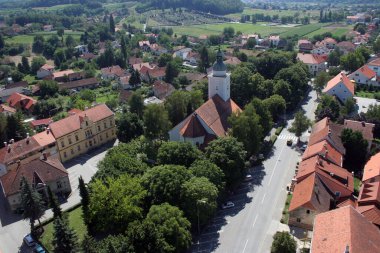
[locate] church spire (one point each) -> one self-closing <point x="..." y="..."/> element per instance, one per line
<point x="219" y="79"/>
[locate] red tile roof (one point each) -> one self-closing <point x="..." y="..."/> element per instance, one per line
<point x="331" y="133"/>
<point x="155" y="72"/>
<point x="114" y="70"/>
<point x="79" y="83"/>
<point x="347" y="45"/>
<point x="5" y="108"/>
<point x="325" y="149"/>
<point x="232" y="61"/>
<point x="25" y="102"/>
<point x="23" y="84"/>
<point x="365" y="128"/>
<point x="311" y="58"/>
<point x="371" y="213"/>
<point x="47" y="171"/>
<point x="344" y="227"/>
<point x="367" y="72"/>
<point x="340" y="78"/>
<point x="62" y="73"/>
<point x="72" y="123"/>
<point x="41" y="122"/>
<point x="162" y="89"/>
<point x="192" y="127"/>
<point x="375" y="62"/>
<point x="47" y="67"/>
<point x="372" y="168"/>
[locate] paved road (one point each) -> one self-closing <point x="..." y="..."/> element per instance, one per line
<point x="13" y="228"/>
<point x="251" y="224"/>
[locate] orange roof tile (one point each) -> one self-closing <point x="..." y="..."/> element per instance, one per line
<point x="320" y="125"/>
<point x="25" y="102"/>
<point x="39" y="122"/>
<point x="371" y="212"/>
<point x="331" y="133"/>
<point x="62" y="73"/>
<point x="340" y="78"/>
<point x="367" y="72"/>
<point x="365" y="128"/>
<point x="375" y="62"/>
<point x="192" y="127"/>
<point x="311" y="58"/>
<point x="325" y="149"/>
<point x="344" y="227"/>
<point x="372" y="168"/>
<point x="47" y="67"/>
<point x="162" y="89"/>
<point x="5" y="108"/>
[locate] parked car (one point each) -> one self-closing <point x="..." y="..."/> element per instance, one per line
<point x="227" y="205"/>
<point x="289" y="142"/>
<point x="39" y="249"/>
<point x="28" y="240"/>
<point x="303" y="148"/>
<point x="248" y="177"/>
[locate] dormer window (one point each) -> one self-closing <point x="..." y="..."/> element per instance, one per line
<point x="86" y="123"/>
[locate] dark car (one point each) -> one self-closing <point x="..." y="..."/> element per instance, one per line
<point x="289" y="142"/>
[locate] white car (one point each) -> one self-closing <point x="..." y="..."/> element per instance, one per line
<point x="227" y="205"/>
<point x="28" y="239"/>
<point x="248" y="178"/>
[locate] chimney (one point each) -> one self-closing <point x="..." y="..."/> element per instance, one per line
<point x="331" y="174"/>
<point x="5" y="144"/>
<point x="47" y="130"/>
<point x="27" y="138"/>
<point x="44" y="156"/>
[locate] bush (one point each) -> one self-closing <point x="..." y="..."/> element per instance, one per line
<point x="279" y="130"/>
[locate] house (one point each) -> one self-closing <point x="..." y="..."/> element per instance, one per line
<point x="88" y="56"/>
<point x="315" y="63"/>
<point x="364" y="76"/>
<point x="40" y="124"/>
<point x="372" y="169"/>
<point x="83" y="131"/>
<point x="61" y="76"/>
<point x="124" y="96"/>
<point x="346" y="47"/>
<point x="210" y="120"/>
<point x="274" y="40"/>
<point x="48" y="28"/>
<point x="320" y="187"/>
<point x="81" y="49"/>
<point x="341" y="87"/>
<point x="11" y="88"/>
<point x="157" y="73"/>
<point x="157" y="49"/>
<point x="133" y="60"/>
<point x="321" y="50"/>
<point x="25" y="150"/>
<point x="88" y="83"/>
<point x="144" y="45"/>
<point x="375" y="66"/>
<point x="113" y="72"/>
<point x="325" y="150"/>
<point x="344" y="230"/>
<point x="162" y="89"/>
<point x="182" y="53"/>
<point x="367" y="129"/>
<point x="44" y="71"/>
<point x="232" y="61"/>
<point x="6" y="110"/>
<point x="192" y="58"/>
<point x="329" y="43"/>
<point x="305" y="46"/>
<point x="124" y="82"/>
<point x="139" y="66"/>
<point x="21" y="102"/>
<point x="40" y="174"/>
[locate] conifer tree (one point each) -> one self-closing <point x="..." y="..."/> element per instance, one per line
<point x="53" y="204"/>
<point x="65" y="239"/>
<point x="31" y="202"/>
<point x="112" y="24"/>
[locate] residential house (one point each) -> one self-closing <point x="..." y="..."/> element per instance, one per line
<point x="10" y="88"/>
<point x="315" y="63"/>
<point x="329" y="43"/>
<point x="133" y="60"/>
<point x="157" y="73"/>
<point x="44" y="71"/>
<point x="144" y="45"/>
<point x="81" y="132"/>
<point x="6" y="110"/>
<point x="274" y="40"/>
<point x="358" y="18"/>
<point x="182" y="53"/>
<point x="139" y="66"/>
<point x="321" y="50"/>
<point x="124" y="96"/>
<point x="375" y="66"/>
<point x="113" y="72"/>
<point x="157" y="49"/>
<point x="210" y="120"/>
<point x="21" y="102"/>
<point x="192" y="58"/>
<point x="346" y="47"/>
<point x="364" y="76"/>
<point x="40" y="124"/>
<point x="341" y="87"/>
<point x="367" y="129"/>
<point x="320" y="187"/>
<point x="88" y="83"/>
<point x="40" y="174"/>
<point x="60" y="76"/>
<point x="344" y="230"/>
<point x="124" y="82"/>
<point x="232" y="61"/>
<point x="82" y="49"/>
<point x="162" y="89"/>
<point x="325" y="150"/>
<point x="152" y="100"/>
<point x="48" y="28"/>
<point x="305" y="46"/>
<point x="88" y="56"/>
<point x="23" y="151"/>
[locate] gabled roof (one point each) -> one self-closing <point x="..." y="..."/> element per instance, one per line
<point x="162" y="89"/>
<point x="371" y="213"/>
<point x="375" y="62"/>
<point x="311" y="58"/>
<point x="39" y="122"/>
<point x="232" y="61"/>
<point x="348" y="45"/>
<point x="341" y="78"/>
<point x="72" y="123"/>
<point x="344" y="227"/>
<point x="47" y="67"/>
<point x="113" y="70"/>
<point x="62" y="73"/>
<point x="365" y="128"/>
<point x="366" y="71"/>
<point x="48" y="170"/>
<point x="331" y="132"/>
<point x="22" y="84"/>
<point x="22" y="100"/>
<point x="79" y="83"/>
<point x="5" y="108"/>
<point x="372" y="168"/>
<point x="324" y="149"/>
<point x="192" y="127"/>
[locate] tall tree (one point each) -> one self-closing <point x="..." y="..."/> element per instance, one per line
<point x="171" y="72"/>
<point x="283" y="243"/>
<point x="376" y="45"/>
<point x="31" y="202"/>
<point x="205" y="61"/>
<point x="136" y="104"/>
<point x="15" y="127"/>
<point x="2" y="43"/>
<point x="276" y="106"/>
<point x="123" y="46"/>
<point x="179" y="153"/>
<point x="129" y="126"/>
<point x="85" y="201"/>
<point x="25" y="65"/>
<point x="3" y="129"/>
<point x="320" y="81"/>
<point x="65" y="239"/>
<point x="300" y="124"/>
<point x="53" y="204"/>
<point x="112" y="24"/>
<point x="205" y="168"/>
<point x="156" y="121"/>
<point x="356" y="150"/>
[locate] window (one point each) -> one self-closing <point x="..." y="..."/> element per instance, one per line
<point x="76" y="138"/>
<point x="110" y="122"/>
<point x="72" y="151"/>
<point x="105" y="125"/>
<point x="298" y="219"/>
<point x="106" y="135"/>
<point x="99" y="128"/>
<point x="64" y="154"/>
<point x="86" y="123"/>
<point x="101" y="138"/>
<point x="85" y="144"/>
<point x="113" y="132"/>
<point x="59" y="185"/>
<point x="78" y="147"/>
<point x="307" y="211"/>
<point x="70" y="141"/>
<point x="62" y="144"/>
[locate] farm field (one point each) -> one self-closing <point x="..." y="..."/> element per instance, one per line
<point x="54" y="8"/>
<point x="335" y="31"/>
<point x="251" y="11"/>
<point x="28" y="39"/>
<point x="303" y="30"/>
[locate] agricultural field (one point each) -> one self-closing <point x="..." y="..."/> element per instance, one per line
<point x="303" y="30"/>
<point x="251" y="11"/>
<point x="53" y="8"/>
<point x="28" y="39"/>
<point x="336" y="31"/>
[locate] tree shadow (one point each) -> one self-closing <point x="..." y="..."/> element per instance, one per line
<point x="6" y="215"/>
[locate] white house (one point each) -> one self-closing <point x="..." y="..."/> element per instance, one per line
<point x="321" y="50"/>
<point x="210" y="120"/>
<point x="341" y="87"/>
<point x="316" y="63"/>
<point x="274" y="40"/>
<point x="375" y="66"/>
<point x="82" y="49"/>
<point x="182" y="53"/>
<point x="45" y="70"/>
<point x="364" y="76"/>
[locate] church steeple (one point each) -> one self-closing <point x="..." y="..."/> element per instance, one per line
<point x="219" y="79"/>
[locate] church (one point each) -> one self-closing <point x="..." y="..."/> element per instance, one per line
<point x="210" y="120"/>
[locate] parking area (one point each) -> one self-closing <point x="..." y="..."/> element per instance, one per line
<point x="364" y="103"/>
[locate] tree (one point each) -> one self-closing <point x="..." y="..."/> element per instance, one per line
<point x="177" y="106"/>
<point x="205" y="168"/>
<point x="156" y="121"/>
<point x="320" y="81"/>
<point x="135" y="78"/>
<point x="123" y="47"/>
<point x="89" y="244"/>
<point x="85" y="201"/>
<point x="115" y="203"/>
<point x="31" y="202"/>
<point x="300" y="124"/>
<point x="283" y="243"/>
<point x="129" y="126"/>
<point x="243" y="84"/>
<point x="112" y="24"/>
<point x="60" y="32"/>
<point x="228" y="32"/>
<point x="25" y="65"/>
<point x="2" y="43"/>
<point x="356" y="150"/>
<point x="171" y="72"/>
<point x="205" y="59"/>
<point x="199" y="197"/>
<point x="262" y="111"/>
<point x="136" y="104"/>
<point x="328" y="107"/>
<point x="48" y="88"/>
<point x="376" y="45"/>
<point x="70" y="41"/>
<point x="163" y="183"/>
<point x="178" y="153"/>
<point x="251" y="43"/>
<point x="352" y="61"/>
<point x="37" y="63"/>
<point x="3" y="129"/>
<point x="276" y="106"/>
<point x="164" y="59"/>
<point x="53" y="204"/>
<point x="16" y="75"/>
<point x="15" y="127"/>
<point x="65" y="239"/>
<point x="229" y="155"/>
<point x="38" y="44"/>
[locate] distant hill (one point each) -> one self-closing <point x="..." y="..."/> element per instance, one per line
<point x="319" y="1"/>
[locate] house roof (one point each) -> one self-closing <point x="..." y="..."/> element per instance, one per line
<point x="41" y="122"/>
<point x="162" y="89"/>
<point x="124" y="95"/>
<point x="372" y="168"/>
<point x="23" y="84"/>
<point x="135" y="60"/>
<point x="371" y="213"/>
<point x="192" y="127"/>
<point x="72" y="123"/>
<point x="47" y="67"/>
<point x="311" y="58"/>
<point x="24" y="101"/>
<point x="340" y="78"/>
<point x="155" y="72"/>
<point x="79" y="83"/>
<point x="113" y="70"/>
<point x="367" y="72"/>
<point x="325" y="149"/>
<point x="369" y="193"/>
<point x="344" y="227"/>
<point x="5" y="108"/>
<point x="46" y="171"/>
<point x="329" y="40"/>
<point x="194" y="76"/>
<point x="348" y="45"/>
<point x="375" y="62"/>
<point x="142" y="66"/>
<point x="320" y="125"/>
<point x="331" y="133"/>
<point x="232" y="61"/>
<point x="62" y="73"/>
<point x="365" y="128"/>
<point x="304" y="41"/>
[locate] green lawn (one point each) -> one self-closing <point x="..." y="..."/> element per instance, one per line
<point x="366" y="94"/>
<point x="54" y="8"/>
<point x="76" y="223"/>
<point x="29" y="78"/>
<point x="28" y="39"/>
<point x="335" y="31"/>
<point x="280" y="13"/>
<point x="302" y="30"/>
<point x="285" y="212"/>
<point x="357" y="184"/>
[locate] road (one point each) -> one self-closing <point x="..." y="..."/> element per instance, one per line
<point x="249" y="226"/>
<point x="13" y="228"/>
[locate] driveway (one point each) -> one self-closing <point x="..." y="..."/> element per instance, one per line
<point x="13" y="228"/>
<point x="364" y="103"/>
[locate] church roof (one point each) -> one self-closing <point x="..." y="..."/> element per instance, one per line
<point x="219" y="64"/>
<point x="193" y="127"/>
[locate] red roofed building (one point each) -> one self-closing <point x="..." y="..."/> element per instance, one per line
<point x="316" y="63"/>
<point x="341" y="87"/>
<point x="21" y="102"/>
<point x="367" y="129"/>
<point x="44" y="71"/>
<point x="329" y="43"/>
<point x="346" y="47"/>
<point x="210" y="120"/>
<point x="375" y="66"/>
<point x="372" y="168"/>
<point x="148" y="74"/>
<point x="305" y="46"/>
<point x="40" y="123"/>
<point x="6" y="110"/>
<point x="344" y="230"/>
<point x="40" y="174"/>
<point x="162" y="89"/>
<point x="364" y="76"/>
<point x="325" y="150"/>
<point x="113" y="72"/>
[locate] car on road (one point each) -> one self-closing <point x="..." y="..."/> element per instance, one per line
<point x="248" y="178"/>
<point x="303" y="148"/>
<point x="39" y="249"/>
<point x="28" y="240"/>
<point x="228" y="204"/>
<point x="289" y="142"/>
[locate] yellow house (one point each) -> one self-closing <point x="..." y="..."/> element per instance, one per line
<point x="83" y="131"/>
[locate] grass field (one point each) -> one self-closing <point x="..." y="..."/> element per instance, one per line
<point x="302" y="30"/>
<point x="28" y="39"/>
<point x="76" y="223"/>
<point x="335" y="31"/>
<point x="280" y="13"/>
<point x="53" y="8"/>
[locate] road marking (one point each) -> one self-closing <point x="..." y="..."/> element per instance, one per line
<point x="254" y="222"/>
<point x="275" y="166"/>
<point x="262" y="201"/>
<point x="245" y="246"/>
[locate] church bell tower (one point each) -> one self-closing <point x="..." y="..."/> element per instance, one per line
<point x="219" y="79"/>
